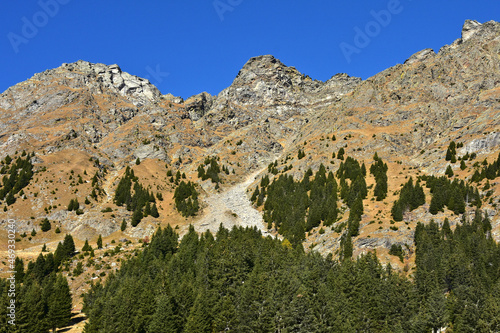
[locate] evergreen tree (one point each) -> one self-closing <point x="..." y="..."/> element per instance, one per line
<point x="166" y="318"/>
<point x="136" y="217"/>
<point x="86" y="247"/>
<point x="99" y="242"/>
<point x="19" y="269"/>
<point x="45" y="225"/>
<point x="69" y="244"/>
<point x="449" y="171"/>
<point x="59" y="304"/>
<point x="31" y="316"/>
<point x="10" y="199"/>
<point x="154" y="211"/>
<point x="186" y="199"/>
<point x="397" y="211"/>
<point x="147" y="209"/>
<point x="340" y="154"/>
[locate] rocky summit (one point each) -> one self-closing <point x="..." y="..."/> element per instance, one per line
<point x="83" y="125"/>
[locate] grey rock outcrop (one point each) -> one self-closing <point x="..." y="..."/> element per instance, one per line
<point x="420" y="56"/>
<point x="139" y="90"/>
<point x="469" y="29"/>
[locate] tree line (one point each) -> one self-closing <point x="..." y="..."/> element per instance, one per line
<point x="43" y="299"/>
<point x="240" y="281"/>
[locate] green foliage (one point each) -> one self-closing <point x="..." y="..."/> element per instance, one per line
<point x="379" y="170"/>
<point x="323" y="200"/>
<point x="212" y="170"/>
<point x="489" y="171"/>
<point x="397" y="250"/>
<point x="43" y="298"/>
<point x="45" y="225"/>
<point x="99" y="242"/>
<point x="346" y="247"/>
<point x="59" y="304"/>
<point x="411" y="197"/>
<point x="136" y="217"/>
<point x="449" y="171"/>
<point x="301" y="154"/>
<point x="242" y="282"/>
<point x="41" y="306"/>
<point x="463" y="264"/>
<point x="86" y="247"/>
<point x="135" y="201"/>
<point x="340" y="154"/>
<point x="454" y="195"/>
<point x="288" y="203"/>
<point x="186" y="199"/>
<point x="78" y="269"/>
<point x="73" y="205"/>
<point x="17" y="176"/>
<point x="351" y="170"/>
<point x="451" y="153"/>
<point x="272" y="168"/>
<point x="154" y="211"/>
<point x="64" y="250"/>
<point x="123" y="225"/>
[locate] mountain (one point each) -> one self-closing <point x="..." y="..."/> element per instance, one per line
<point x="86" y="121"/>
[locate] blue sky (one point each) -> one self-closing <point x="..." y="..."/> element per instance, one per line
<point x="186" y="47"/>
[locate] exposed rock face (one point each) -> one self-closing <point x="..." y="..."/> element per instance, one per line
<point x="420" y="56"/>
<point x="139" y="90"/>
<point x="408" y="114"/>
<point x="265" y="81"/>
<point x="469" y="29"/>
<point x="198" y="105"/>
<point x="491" y="142"/>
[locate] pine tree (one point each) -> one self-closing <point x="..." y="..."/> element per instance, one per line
<point x="346" y="246"/>
<point x="154" y="211"/>
<point x="449" y="171"/>
<point x="60" y="304"/>
<point x="73" y="205"/>
<point x="45" y="225"/>
<point x="99" y="242"/>
<point x="32" y="314"/>
<point x="166" y="318"/>
<point x="68" y="246"/>
<point x="19" y="269"/>
<point x="397" y="211"/>
<point x="136" y="217"/>
<point x="147" y="209"/>
<point x="124" y="225"/>
<point x="10" y="199"/>
<point x="86" y="247"/>
<point x="340" y="154"/>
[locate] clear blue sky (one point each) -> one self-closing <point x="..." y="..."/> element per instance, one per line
<point x="186" y="47"/>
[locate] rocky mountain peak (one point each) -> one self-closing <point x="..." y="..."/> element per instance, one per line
<point x="480" y="31"/>
<point x="469" y="29"/>
<point x="100" y="77"/>
<point x="267" y="68"/>
<point x="266" y="81"/>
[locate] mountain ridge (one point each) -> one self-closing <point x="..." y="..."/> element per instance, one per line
<point x="81" y="112"/>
